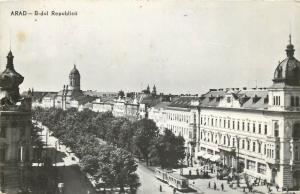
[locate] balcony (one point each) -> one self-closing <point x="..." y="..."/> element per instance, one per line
<point x="271" y="160"/>
<point x="227" y="148"/>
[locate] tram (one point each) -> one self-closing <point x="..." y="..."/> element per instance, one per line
<point x="174" y="180"/>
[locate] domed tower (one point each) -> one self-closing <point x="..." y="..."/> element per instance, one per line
<point x="74" y="78"/>
<point x="15" y="132"/>
<point x="285" y="91"/>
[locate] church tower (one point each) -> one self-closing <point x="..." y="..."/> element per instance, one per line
<point x="284" y="94"/>
<point x="74" y="79"/>
<point x="15" y="132"/>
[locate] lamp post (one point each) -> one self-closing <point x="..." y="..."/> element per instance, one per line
<point x="237" y="161"/>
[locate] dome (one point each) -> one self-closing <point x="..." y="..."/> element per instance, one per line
<point x="288" y="70"/>
<point x="74" y="71"/>
<point x="9" y="78"/>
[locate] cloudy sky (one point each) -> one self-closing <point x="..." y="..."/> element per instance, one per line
<point x="182" y="46"/>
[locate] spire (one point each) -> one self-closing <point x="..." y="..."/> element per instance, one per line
<point x="290" y="48"/>
<point x="10" y="61"/>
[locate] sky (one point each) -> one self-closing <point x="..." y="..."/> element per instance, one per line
<point x="181" y="46"/>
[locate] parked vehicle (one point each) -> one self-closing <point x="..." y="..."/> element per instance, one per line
<point x="174" y="180"/>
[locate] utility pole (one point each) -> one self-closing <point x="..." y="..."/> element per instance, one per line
<point x="237" y="161"/>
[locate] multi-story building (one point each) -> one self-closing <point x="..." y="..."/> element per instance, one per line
<point x="177" y="116"/>
<point x="256" y="129"/>
<point x="15" y="132"/>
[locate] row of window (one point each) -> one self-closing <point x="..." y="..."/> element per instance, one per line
<point x="261" y="168"/>
<point x="252" y="127"/>
<point x="3" y="130"/>
<point x="179" y="130"/>
<point x="276" y="100"/>
<point x="294" y="101"/>
<point x="178" y="117"/>
<point x="244" y="145"/>
<point x="25" y="154"/>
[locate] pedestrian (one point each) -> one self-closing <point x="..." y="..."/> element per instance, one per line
<point x="174" y="190"/>
<point x="277" y="187"/>
<point x="208" y="184"/>
<point x="222" y="186"/>
<point x="160" y="188"/>
<point x="215" y="186"/>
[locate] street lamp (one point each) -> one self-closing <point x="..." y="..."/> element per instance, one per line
<point x="237" y="161"/>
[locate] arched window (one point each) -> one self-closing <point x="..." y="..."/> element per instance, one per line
<point x="296" y="131"/>
<point x="292" y="101"/>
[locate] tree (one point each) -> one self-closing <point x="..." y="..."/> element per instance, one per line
<point x="169" y="149"/>
<point x="145" y="135"/>
<point x="117" y="168"/>
<point x="89" y="164"/>
<point x="126" y="134"/>
<point x="121" y="94"/>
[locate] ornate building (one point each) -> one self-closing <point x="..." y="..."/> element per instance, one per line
<point x="69" y="92"/>
<point x="255" y="130"/>
<point x="15" y="132"/>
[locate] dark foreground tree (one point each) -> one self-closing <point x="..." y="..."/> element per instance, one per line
<point x="169" y="149"/>
<point x="145" y="135"/>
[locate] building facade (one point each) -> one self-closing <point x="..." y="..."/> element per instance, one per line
<point x="15" y="132"/>
<point x="256" y="130"/>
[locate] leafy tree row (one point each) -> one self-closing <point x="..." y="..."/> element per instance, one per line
<point x="85" y="131"/>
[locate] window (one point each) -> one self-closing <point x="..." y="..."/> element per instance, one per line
<point x="233" y="142"/>
<point x="248" y="145"/>
<point x="243" y="144"/>
<point x="228" y="123"/>
<point x="212" y="122"/>
<point x="2" y="182"/>
<point x="265" y="149"/>
<point x="261" y="168"/>
<point x="259" y="148"/>
<point x="253" y="147"/>
<point x="292" y="101"/>
<point x="277" y="152"/>
<point x="224" y="123"/>
<point x="248" y="126"/>
<point x="233" y="126"/>
<point x="228" y="99"/>
<point x="2" y="154"/>
<point x="266" y="129"/>
<point x="243" y="126"/>
<point x="296" y="131"/>
<point x="251" y="165"/>
<point x="253" y="127"/>
<point x="297" y="101"/>
<point x="276" y="129"/>
<point x="259" y="128"/>
<point x="3" y="131"/>
<point x="238" y="125"/>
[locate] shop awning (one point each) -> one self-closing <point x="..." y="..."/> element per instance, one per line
<point x="200" y="154"/>
<point x="215" y="158"/>
<point x="206" y="156"/>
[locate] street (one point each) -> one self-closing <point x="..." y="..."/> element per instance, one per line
<point x="74" y="181"/>
<point x="149" y="184"/>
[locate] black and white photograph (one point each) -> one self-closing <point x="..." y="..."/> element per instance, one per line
<point x="149" y="97"/>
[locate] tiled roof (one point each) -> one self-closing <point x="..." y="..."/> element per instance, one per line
<point x="183" y="102"/>
<point x="84" y="99"/>
<point x="248" y="99"/>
